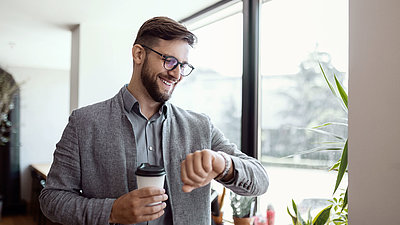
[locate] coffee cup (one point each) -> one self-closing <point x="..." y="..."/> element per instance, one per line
<point x="150" y="175"/>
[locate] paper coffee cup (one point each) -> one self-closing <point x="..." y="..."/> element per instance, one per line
<point x="150" y="175"/>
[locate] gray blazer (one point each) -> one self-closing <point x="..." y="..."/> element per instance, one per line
<point x="95" y="162"/>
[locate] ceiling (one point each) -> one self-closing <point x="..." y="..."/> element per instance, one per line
<point x="32" y="33"/>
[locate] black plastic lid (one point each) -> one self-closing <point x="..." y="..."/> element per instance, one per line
<point x="148" y="170"/>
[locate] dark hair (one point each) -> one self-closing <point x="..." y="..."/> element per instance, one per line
<point x="164" y="28"/>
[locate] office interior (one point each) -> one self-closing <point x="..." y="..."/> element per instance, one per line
<point x="71" y="54"/>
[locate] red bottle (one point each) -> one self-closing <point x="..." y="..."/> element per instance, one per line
<point x="270" y="215"/>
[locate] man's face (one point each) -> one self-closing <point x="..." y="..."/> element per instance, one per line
<point x="159" y="82"/>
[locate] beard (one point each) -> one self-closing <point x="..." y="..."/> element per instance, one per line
<point x="151" y="85"/>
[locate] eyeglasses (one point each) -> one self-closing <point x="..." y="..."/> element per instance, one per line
<point x="170" y="63"/>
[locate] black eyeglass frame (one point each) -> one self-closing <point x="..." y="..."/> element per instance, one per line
<point x="166" y="57"/>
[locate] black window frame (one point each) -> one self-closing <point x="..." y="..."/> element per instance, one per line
<point x="250" y="72"/>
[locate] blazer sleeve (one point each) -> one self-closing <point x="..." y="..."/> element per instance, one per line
<point x="61" y="199"/>
<point x="250" y="177"/>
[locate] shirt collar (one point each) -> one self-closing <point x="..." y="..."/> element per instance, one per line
<point x="130" y="101"/>
<point x="128" y="98"/>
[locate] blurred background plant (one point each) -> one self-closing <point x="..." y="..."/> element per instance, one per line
<point x="339" y="215"/>
<point x="341" y="165"/>
<point x="8" y="88"/>
<point x="242" y="206"/>
<point x="320" y="219"/>
<point x="338" y="143"/>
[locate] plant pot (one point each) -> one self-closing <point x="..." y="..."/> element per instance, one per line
<point x="218" y="219"/>
<point x="243" y="221"/>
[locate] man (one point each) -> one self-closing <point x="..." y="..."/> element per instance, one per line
<point x="92" y="178"/>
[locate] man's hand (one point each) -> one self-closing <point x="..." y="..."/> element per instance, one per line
<point x="133" y="207"/>
<point x="199" y="168"/>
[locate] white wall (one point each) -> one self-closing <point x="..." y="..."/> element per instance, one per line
<point x="105" y="61"/>
<point x="105" y="65"/>
<point x="44" y="114"/>
<point x="374" y="112"/>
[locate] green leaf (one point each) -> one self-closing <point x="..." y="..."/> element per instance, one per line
<point x="300" y="219"/>
<point x="342" y="167"/>
<point x="342" y="92"/>
<point x="297" y="220"/>
<point x="327" y="81"/>
<point x="322" y="216"/>
<point x="324" y="132"/>
<point x="345" y="199"/>
<point x="322" y="125"/>
<point x="330" y="123"/>
<point x="330" y="142"/>
<point x="294" y="207"/>
<point x="334" y="167"/>
<point x="294" y="219"/>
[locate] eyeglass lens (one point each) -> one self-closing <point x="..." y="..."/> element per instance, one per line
<point x="171" y="62"/>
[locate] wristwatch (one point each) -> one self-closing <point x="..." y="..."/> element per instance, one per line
<point x="228" y="164"/>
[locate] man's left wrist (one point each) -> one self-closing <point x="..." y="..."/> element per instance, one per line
<point x="227" y="168"/>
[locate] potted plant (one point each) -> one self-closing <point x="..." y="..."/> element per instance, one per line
<point x="216" y="206"/>
<point x="9" y="145"/>
<point x="242" y="209"/>
<point x="7" y="91"/>
<point x="339" y="205"/>
<point x="320" y="219"/>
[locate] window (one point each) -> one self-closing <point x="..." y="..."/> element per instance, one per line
<point x="295" y="36"/>
<point x="214" y="87"/>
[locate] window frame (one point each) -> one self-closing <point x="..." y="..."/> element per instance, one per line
<point x="250" y="131"/>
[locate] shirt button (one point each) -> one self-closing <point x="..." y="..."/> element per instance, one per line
<point x="151" y="148"/>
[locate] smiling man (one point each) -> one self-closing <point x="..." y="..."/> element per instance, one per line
<point x="92" y="179"/>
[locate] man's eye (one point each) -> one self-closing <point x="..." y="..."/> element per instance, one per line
<point x="170" y="61"/>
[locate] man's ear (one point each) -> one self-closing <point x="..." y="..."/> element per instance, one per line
<point x="138" y="54"/>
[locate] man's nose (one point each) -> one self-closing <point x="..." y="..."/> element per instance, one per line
<point x="176" y="73"/>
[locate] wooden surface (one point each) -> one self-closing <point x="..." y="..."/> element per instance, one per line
<point x="42" y="169"/>
<point x="39" y="174"/>
<point x="17" y="220"/>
